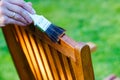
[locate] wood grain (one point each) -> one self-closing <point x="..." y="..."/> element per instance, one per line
<point x="38" y="58"/>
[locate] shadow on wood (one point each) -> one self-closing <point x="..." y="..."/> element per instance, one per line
<point x="36" y="57"/>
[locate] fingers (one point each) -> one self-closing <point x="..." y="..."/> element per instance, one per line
<point x="22" y="4"/>
<point x="15" y="16"/>
<point x="19" y="10"/>
<point x="15" y="12"/>
<point x="6" y="20"/>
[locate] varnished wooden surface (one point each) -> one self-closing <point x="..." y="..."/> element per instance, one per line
<point x="38" y="58"/>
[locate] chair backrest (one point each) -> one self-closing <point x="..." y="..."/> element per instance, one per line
<point x="36" y="57"/>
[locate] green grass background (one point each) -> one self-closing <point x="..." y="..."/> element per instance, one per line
<point x="97" y="21"/>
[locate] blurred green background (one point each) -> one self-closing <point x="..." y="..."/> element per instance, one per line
<point x="97" y="21"/>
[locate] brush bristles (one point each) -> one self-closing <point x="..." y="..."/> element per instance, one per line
<point x="54" y="32"/>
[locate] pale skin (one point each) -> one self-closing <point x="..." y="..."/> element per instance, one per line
<point x="15" y="12"/>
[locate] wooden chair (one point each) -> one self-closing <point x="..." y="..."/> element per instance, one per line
<point x="36" y="57"/>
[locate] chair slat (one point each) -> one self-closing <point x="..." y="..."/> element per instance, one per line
<point x="23" y="46"/>
<point x="30" y="51"/>
<point x="44" y="59"/>
<point x="38" y="59"/>
<point x="58" y="64"/>
<point x="67" y="67"/>
<point x="51" y="61"/>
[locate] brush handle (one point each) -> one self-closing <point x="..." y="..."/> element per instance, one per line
<point x="40" y="21"/>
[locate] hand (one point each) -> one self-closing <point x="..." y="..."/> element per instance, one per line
<point x="15" y="12"/>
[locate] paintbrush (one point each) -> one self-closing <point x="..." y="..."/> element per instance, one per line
<point x="54" y="32"/>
